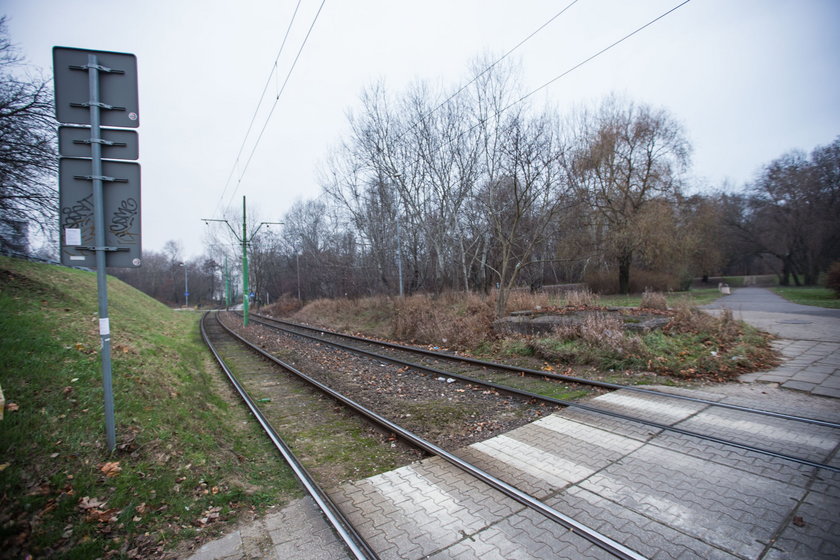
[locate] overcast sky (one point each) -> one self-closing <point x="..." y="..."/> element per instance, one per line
<point x="749" y="79"/>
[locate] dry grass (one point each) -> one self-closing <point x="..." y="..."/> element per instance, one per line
<point x="524" y="300"/>
<point x="607" y="331"/>
<point x="582" y="298"/>
<point x="654" y="300"/>
<point x="283" y="307"/>
<point x="451" y="319"/>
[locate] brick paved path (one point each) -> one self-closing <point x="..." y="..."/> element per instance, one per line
<point x="661" y="494"/>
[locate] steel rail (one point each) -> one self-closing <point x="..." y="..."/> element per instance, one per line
<point x="600" y="540"/>
<point x="348" y="534"/>
<point x="567" y="378"/>
<point x="571" y="404"/>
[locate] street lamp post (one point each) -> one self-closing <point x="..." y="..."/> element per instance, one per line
<point x="186" y="286"/>
<point x="397" y="177"/>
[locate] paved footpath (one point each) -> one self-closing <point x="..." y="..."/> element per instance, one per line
<point x="809" y="339"/>
<point x="664" y="495"/>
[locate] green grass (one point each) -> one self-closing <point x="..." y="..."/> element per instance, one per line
<point x="816" y="296"/>
<point x="182" y="444"/>
<point x="693" y="297"/>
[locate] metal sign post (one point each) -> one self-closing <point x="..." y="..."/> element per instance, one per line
<point x="81" y="99"/>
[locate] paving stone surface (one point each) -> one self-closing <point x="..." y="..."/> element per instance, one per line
<point x="662" y="494"/>
<point x="809" y="339"/>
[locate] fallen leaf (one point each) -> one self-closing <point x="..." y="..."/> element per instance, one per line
<point x="798" y="521"/>
<point x="89" y="503"/>
<point x="102" y="516"/>
<point x="12" y="407"/>
<point x="111" y="469"/>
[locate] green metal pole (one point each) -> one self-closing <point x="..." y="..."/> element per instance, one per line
<point x="245" y="292"/>
<point x="227" y="284"/>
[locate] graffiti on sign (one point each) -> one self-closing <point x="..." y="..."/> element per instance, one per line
<point x="123" y="221"/>
<point x="79" y="214"/>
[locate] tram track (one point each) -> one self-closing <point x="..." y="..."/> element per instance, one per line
<point x="364" y="346"/>
<point x="575" y="527"/>
<point x="212" y="331"/>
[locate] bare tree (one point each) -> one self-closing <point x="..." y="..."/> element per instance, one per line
<point x="628" y="156"/>
<point x="27" y="149"/>
<point x="792" y="213"/>
<point x="524" y="201"/>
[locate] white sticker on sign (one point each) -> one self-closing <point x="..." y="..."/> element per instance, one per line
<point x="104" y="327"/>
<point x="77" y="257"/>
<point x="72" y="236"/>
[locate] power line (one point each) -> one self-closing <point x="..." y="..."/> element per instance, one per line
<point x="594" y="56"/>
<point x="573" y="68"/>
<point x="259" y="104"/>
<point x="483" y="72"/>
<point x="276" y="99"/>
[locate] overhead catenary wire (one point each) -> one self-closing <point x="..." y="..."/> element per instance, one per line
<point x="259" y="104"/>
<point x="549" y="82"/>
<point x="492" y="65"/>
<point x="277" y="99"/>
<point x="275" y="74"/>
<point x="594" y="56"/>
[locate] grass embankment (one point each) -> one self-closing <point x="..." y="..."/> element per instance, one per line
<point x="187" y="458"/>
<point x="812" y="295"/>
<point x="693" y="346"/>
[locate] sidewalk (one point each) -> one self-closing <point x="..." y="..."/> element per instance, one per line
<point x="809" y="338"/>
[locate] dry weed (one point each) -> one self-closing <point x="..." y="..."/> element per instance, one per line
<point x="602" y="330"/>
<point x="452" y="319"/>
<point x="654" y="300"/>
<point x="283" y="307"/>
<point x="689" y="319"/>
<point x="582" y="298"/>
<point x="525" y="300"/>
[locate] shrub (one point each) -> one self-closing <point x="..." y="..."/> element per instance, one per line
<point x="832" y="281"/>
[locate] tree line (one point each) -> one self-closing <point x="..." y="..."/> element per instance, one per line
<point x="476" y="191"/>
